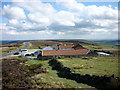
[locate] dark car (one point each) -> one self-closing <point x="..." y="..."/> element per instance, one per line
<point x="16" y="53"/>
<point x="27" y="55"/>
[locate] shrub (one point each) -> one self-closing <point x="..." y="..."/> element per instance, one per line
<point x="40" y="70"/>
<point x="78" y="67"/>
<point x="18" y="76"/>
<point x="85" y="58"/>
<point x="35" y="66"/>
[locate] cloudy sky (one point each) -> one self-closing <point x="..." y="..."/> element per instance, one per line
<point x="61" y="19"/>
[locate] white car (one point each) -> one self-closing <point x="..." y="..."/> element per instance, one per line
<point x="23" y="50"/>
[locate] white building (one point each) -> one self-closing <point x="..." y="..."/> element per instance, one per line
<point x="103" y="54"/>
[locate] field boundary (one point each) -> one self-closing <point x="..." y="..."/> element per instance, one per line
<point x="99" y="82"/>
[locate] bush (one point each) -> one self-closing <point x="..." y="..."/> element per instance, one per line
<point x="85" y="58"/>
<point x="18" y="76"/>
<point x="78" y="67"/>
<point x="14" y="75"/>
<point x="42" y="70"/>
<point x="35" y="66"/>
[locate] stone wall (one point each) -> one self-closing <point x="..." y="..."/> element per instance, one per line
<point x="99" y="82"/>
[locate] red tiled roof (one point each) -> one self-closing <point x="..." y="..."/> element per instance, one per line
<point x="68" y="46"/>
<point x="76" y="48"/>
<point x="64" y="52"/>
<point x="75" y="44"/>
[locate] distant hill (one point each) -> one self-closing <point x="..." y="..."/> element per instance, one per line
<point x="111" y="42"/>
<point x="103" y="43"/>
<point x="11" y="41"/>
<point x="99" y="43"/>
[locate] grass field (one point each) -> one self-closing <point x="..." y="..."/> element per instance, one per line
<point x="94" y="65"/>
<point x="51" y="79"/>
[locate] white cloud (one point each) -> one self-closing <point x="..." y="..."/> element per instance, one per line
<point x="12" y="32"/>
<point x="60" y="33"/>
<point x="43" y="18"/>
<point x="65" y="18"/>
<point x="72" y="5"/>
<point x="12" y="12"/>
<point x="13" y="22"/>
<point x="38" y="18"/>
<point x="5" y="27"/>
<point x="105" y="23"/>
<point x="102" y="12"/>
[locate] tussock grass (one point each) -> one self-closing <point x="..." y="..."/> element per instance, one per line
<point x="96" y="65"/>
<point x="51" y="79"/>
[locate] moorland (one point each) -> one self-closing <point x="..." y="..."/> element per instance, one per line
<point x="33" y="73"/>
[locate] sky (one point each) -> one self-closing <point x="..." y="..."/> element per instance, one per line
<point x="61" y="19"/>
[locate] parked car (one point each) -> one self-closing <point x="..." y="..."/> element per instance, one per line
<point x="23" y="50"/>
<point x="32" y="54"/>
<point x="37" y="52"/>
<point x="27" y="55"/>
<point x="16" y="53"/>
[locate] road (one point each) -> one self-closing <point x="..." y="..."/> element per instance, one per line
<point x="7" y="55"/>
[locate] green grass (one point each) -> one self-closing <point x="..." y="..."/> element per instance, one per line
<point x="92" y="47"/>
<point x="96" y="65"/>
<point x="51" y="79"/>
<point x="100" y="47"/>
<point x="106" y="45"/>
<point x="102" y="44"/>
<point x="34" y="47"/>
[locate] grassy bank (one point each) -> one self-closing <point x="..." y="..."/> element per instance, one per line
<point x="51" y="79"/>
<point x="93" y="65"/>
<point x="96" y="66"/>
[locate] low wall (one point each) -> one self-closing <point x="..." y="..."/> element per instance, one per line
<point x="100" y="82"/>
<point x="60" y="56"/>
